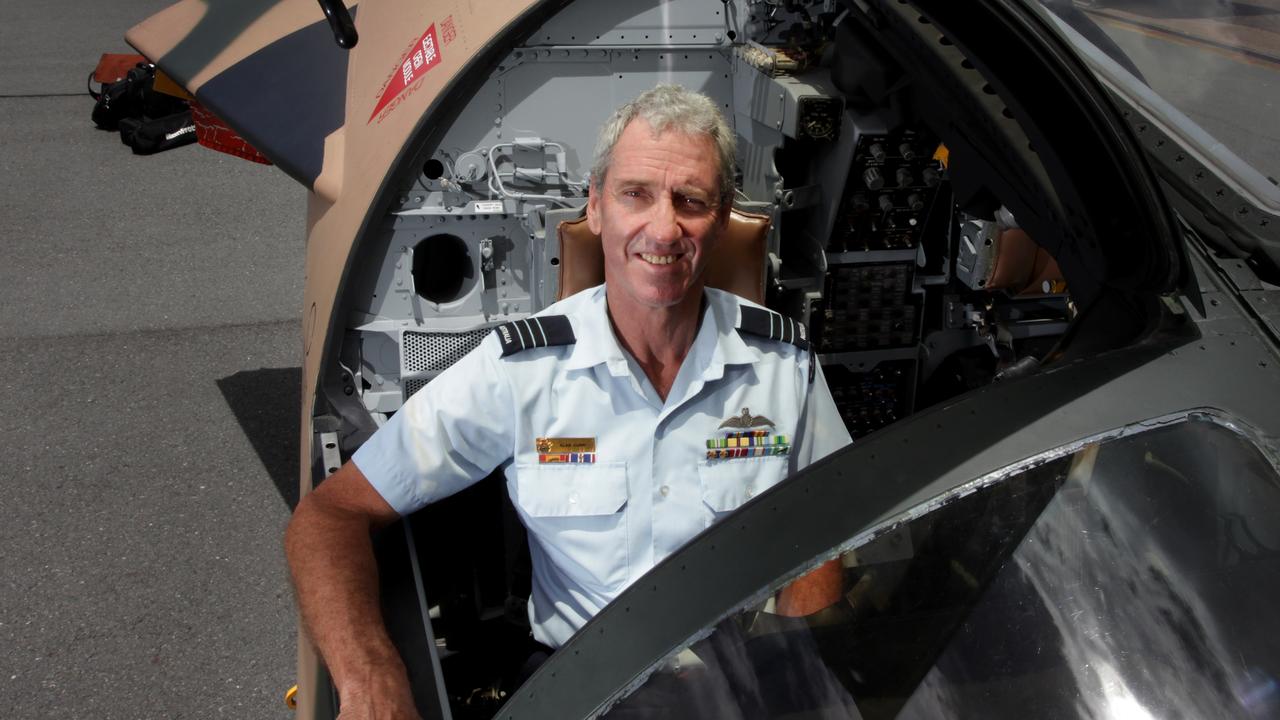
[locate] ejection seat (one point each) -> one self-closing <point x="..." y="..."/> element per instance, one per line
<point x="736" y="263"/>
<point x="1021" y="267"/>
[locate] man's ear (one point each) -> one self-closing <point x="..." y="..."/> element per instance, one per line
<point x="722" y="214"/>
<point x="593" y="210"/>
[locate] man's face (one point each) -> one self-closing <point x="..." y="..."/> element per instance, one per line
<point x="657" y="214"/>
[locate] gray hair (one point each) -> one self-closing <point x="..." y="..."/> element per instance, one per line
<point x="676" y="108"/>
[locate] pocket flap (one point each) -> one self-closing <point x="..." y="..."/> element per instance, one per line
<point x="727" y="484"/>
<point x="569" y="490"/>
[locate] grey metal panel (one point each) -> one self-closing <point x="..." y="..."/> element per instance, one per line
<point x="475" y="125"/>
<point x="380" y="368"/>
<point x="392" y="370"/>
<point x="760" y="177"/>
<point x="761" y="100"/>
<point x="565" y="95"/>
<point x="1266" y="303"/>
<point x="391" y="297"/>
<point x="651" y="22"/>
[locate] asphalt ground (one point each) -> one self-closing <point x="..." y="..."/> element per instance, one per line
<point x="148" y="403"/>
<point x="149" y="392"/>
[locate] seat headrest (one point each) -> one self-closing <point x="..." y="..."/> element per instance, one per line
<point x="736" y="263"/>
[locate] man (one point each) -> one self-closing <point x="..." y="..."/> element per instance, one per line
<point x="626" y="418"/>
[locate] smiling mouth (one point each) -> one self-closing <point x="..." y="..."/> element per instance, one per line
<point x="658" y="259"/>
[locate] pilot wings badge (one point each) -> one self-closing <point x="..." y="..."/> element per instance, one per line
<point x="746" y="421"/>
<point x="747" y="435"/>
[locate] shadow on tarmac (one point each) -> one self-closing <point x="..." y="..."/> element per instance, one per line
<point x="265" y="403"/>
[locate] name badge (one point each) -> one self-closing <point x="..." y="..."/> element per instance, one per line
<point x="553" y="450"/>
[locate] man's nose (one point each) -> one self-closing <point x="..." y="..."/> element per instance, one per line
<point x="664" y="222"/>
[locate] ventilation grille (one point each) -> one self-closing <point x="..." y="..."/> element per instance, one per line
<point x="434" y="352"/>
<point x="413" y="385"/>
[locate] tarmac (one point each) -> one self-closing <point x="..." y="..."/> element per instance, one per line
<point x="148" y="401"/>
<point x="149" y="309"/>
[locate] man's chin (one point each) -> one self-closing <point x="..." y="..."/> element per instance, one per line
<point x="660" y="298"/>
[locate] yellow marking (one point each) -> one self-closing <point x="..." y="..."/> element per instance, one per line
<point x="165" y="84"/>
<point x="291" y="698"/>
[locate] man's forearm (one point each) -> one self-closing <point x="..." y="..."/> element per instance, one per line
<point x="336" y="580"/>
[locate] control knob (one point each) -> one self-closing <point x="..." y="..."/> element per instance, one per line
<point x="872" y="177"/>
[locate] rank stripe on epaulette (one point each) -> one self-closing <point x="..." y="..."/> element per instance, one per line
<point x="534" y="332"/>
<point x="767" y="323"/>
<point x="525" y="328"/>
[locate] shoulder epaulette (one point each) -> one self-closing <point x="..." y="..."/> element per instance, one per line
<point x="534" y="332"/>
<point x="775" y="326"/>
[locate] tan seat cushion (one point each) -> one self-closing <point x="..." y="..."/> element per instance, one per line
<point x="1020" y="266"/>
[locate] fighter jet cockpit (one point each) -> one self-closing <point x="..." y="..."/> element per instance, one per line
<point x="1004" y="246"/>
<point x="902" y="195"/>
<point x="910" y="293"/>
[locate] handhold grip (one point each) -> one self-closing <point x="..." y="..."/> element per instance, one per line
<point x="344" y="28"/>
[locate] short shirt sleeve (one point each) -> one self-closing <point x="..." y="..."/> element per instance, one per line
<point x="821" y="430"/>
<point x="448" y="435"/>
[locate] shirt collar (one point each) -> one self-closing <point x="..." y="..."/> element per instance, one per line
<point x="724" y="310"/>
<point x="596" y="343"/>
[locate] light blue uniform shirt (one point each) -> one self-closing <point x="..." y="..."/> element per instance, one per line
<point x="595" y="528"/>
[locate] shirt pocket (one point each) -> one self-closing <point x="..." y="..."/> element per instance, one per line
<point x="577" y="514"/>
<point x="728" y="484"/>
<point x="572" y="489"/>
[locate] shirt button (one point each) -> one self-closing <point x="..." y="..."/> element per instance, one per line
<point x="664" y="490"/>
<point x="573" y="498"/>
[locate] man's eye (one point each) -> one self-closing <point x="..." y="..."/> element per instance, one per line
<point x="693" y="204"/>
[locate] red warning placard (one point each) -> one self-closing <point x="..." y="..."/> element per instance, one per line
<point x="421" y="57"/>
